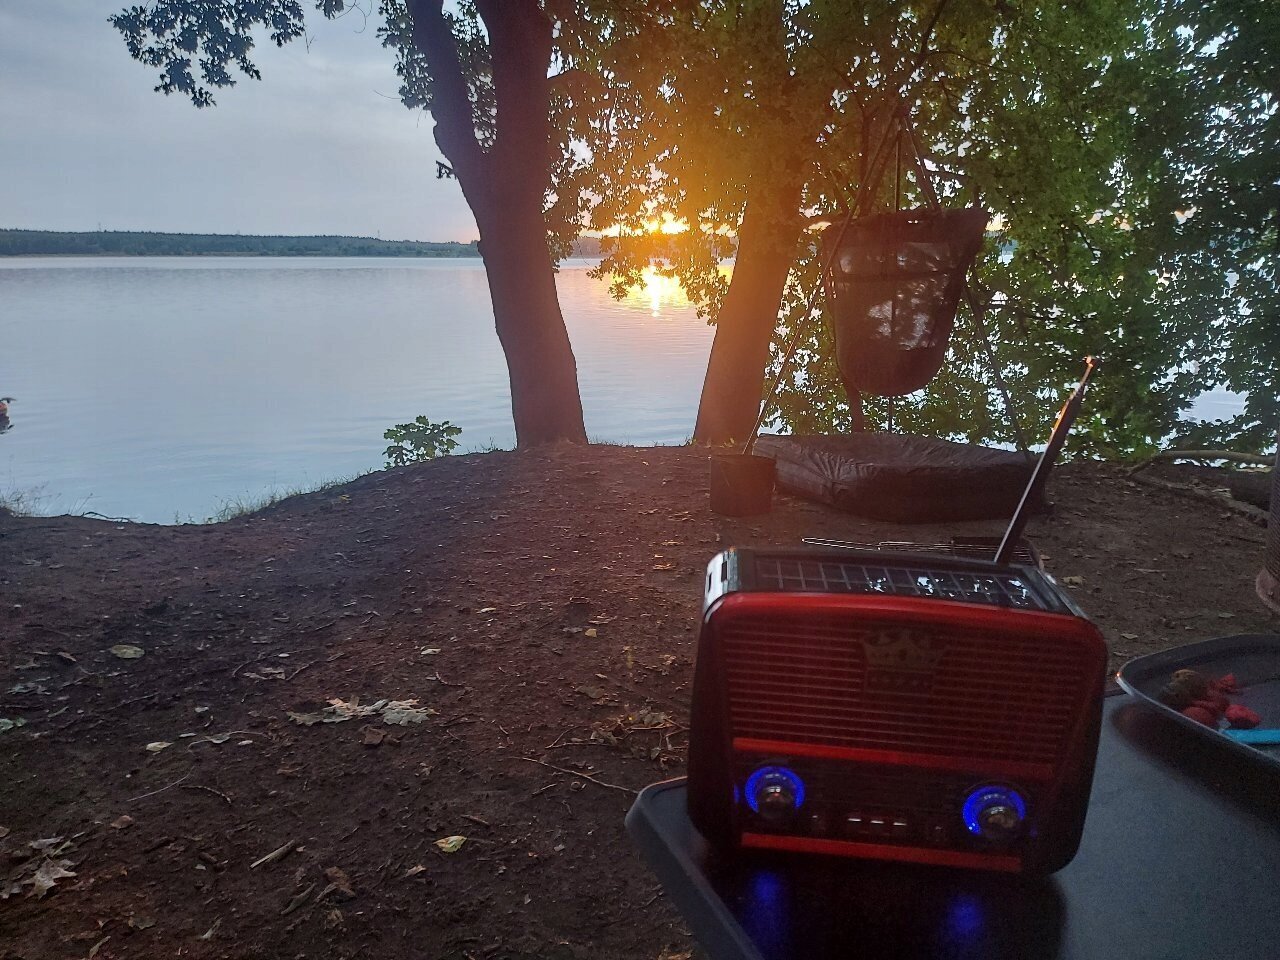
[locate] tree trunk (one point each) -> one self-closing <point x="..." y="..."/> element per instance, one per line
<point x="734" y="382"/>
<point x="505" y="186"/>
<point x="545" y="402"/>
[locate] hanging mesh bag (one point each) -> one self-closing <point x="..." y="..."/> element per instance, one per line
<point x="893" y="287"/>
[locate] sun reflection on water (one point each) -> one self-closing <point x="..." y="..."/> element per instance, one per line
<point x="657" y="292"/>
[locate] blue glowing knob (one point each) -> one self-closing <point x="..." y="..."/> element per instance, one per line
<point x="995" y="812"/>
<point x="775" y="793"/>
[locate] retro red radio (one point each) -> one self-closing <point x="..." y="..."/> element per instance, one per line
<point x="895" y="706"/>
<point x="901" y="703"/>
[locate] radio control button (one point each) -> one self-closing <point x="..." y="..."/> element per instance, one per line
<point x="995" y="813"/>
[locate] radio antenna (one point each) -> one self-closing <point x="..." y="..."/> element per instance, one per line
<point x="1040" y="476"/>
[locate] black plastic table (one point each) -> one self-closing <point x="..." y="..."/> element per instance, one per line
<point x="1180" y="861"/>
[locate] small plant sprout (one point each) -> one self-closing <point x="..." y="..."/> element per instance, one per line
<point x="419" y="440"/>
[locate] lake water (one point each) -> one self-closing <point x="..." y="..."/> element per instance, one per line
<point x="162" y="389"/>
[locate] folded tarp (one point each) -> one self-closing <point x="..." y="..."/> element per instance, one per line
<point x="900" y="477"/>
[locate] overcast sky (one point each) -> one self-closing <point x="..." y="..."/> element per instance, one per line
<point x="321" y="145"/>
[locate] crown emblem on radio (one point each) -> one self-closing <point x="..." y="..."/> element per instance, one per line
<point x="901" y="649"/>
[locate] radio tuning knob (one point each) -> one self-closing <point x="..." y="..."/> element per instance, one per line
<point x="775" y="793"/>
<point x="999" y="821"/>
<point x="995" y="812"/>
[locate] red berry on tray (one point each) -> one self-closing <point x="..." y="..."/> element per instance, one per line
<point x="1225" y="684"/>
<point x="1241" y="717"/>
<point x="1210" y="705"/>
<point x="1201" y="715"/>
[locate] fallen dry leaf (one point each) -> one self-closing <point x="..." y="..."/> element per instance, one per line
<point x="122" y="821"/>
<point x="156" y="746"/>
<point x="127" y="651"/>
<point x="47" y="876"/>
<point x="339" y="883"/>
<point x="404" y="712"/>
<point x="414" y="871"/>
<point x="592" y="632"/>
<point x="451" y="844"/>
<point x="338" y="711"/>
<point x="664" y="566"/>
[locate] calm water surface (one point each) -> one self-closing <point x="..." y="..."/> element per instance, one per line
<point x="162" y="388"/>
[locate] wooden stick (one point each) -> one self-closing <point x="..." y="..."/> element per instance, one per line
<point x="581" y="776"/>
<point x="144" y="796"/>
<point x="1231" y="456"/>
<point x="1246" y="510"/>
<point x="216" y="793"/>
<point x="276" y="854"/>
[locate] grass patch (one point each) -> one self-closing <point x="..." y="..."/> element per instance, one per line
<point x="236" y="508"/>
<point x="22" y="503"/>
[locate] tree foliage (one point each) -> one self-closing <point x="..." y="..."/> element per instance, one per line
<point x="1122" y="144"/>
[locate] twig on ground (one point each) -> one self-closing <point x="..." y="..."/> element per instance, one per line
<point x="580" y="775"/>
<point x="276" y="854"/>
<point x="198" y="786"/>
<point x="161" y="790"/>
<point x="1252" y="459"/>
<point x="305" y="666"/>
<point x="261" y="656"/>
<point x="297" y="901"/>
<point x="1246" y="510"/>
<point x="557" y="740"/>
<point x="439" y="679"/>
<point x="128" y="703"/>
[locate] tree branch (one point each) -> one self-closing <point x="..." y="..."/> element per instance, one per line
<point x="455" y="130"/>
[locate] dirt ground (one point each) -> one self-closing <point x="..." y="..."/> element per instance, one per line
<point x="540" y="611"/>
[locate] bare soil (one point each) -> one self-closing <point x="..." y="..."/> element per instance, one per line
<point x="543" y="605"/>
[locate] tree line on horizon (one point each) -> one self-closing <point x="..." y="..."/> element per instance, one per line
<point x="127" y="243"/>
<point x="1125" y="149"/>
<point x="142" y="243"/>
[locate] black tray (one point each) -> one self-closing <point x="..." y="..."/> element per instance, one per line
<point x="1255" y="660"/>
<point x="1178" y="862"/>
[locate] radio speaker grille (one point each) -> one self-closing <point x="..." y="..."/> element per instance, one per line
<point x="983" y="695"/>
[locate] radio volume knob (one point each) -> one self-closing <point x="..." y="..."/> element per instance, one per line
<point x="995" y="812"/>
<point x="999" y="821"/>
<point x="775" y="793"/>
<point x="777" y="799"/>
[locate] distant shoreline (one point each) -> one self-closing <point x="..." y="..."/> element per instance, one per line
<point x="122" y="243"/>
